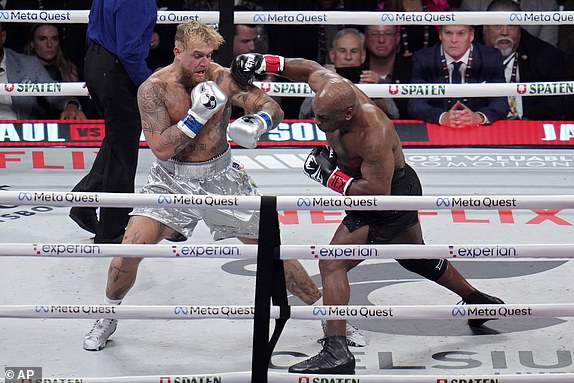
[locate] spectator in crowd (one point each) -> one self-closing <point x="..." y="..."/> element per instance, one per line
<point x="415" y="37"/>
<point x="119" y="34"/>
<point x="249" y="37"/>
<point x="386" y="66"/>
<point x="348" y="56"/>
<point x="458" y="60"/>
<point x="546" y="32"/>
<point x="19" y="68"/>
<point x="72" y="36"/>
<point x="528" y="59"/>
<point x="244" y="39"/>
<point x="44" y="44"/>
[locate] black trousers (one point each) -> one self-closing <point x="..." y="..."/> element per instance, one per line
<point x="114" y="169"/>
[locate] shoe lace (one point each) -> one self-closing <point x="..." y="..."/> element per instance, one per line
<point x="100" y="327"/>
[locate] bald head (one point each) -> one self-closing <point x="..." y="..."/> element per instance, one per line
<point x="336" y="94"/>
<point x="334" y="104"/>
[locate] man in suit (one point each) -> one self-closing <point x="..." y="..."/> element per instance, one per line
<point x="18" y="68"/>
<point x="458" y="60"/>
<point x="527" y="58"/>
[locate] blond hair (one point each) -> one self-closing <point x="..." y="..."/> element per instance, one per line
<point x="192" y="32"/>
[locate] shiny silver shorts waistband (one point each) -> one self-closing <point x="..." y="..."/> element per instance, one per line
<point x="196" y="170"/>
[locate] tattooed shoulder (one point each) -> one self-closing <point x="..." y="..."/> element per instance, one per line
<point x="151" y="102"/>
<point x="151" y="95"/>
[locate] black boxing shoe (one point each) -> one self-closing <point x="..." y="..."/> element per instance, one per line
<point x="480" y="298"/>
<point x="334" y="358"/>
<point x="85" y="217"/>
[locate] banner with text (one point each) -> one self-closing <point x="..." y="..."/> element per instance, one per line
<point x="90" y="133"/>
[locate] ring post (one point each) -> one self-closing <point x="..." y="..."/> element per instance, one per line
<point x="269" y="283"/>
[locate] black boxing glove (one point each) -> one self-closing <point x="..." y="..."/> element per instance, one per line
<point x="321" y="166"/>
<point x="245" y="66"/>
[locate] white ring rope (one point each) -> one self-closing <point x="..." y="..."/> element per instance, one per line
<point x="335" y="202"/>
<point x="329" y="252"/>
<point x="278" y="377"/>
<point x="315" y="17"/>
<point x="433" y="90"/>
<point x="299" y="89"/>
<point x="304" y="203"/>
<point x="189" y="312"/>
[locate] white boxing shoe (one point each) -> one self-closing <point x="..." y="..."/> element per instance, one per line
<point x="98" y="336"/>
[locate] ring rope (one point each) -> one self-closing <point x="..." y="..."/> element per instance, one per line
<point x="316" y="17"/>
<point x="278" y="377"/>
<point x="299" y="89"/>
<point x="190" y="312"/>
<point x="331" y="312"/>
<point x="329" y="252"/>
<point x="335" y="202"/>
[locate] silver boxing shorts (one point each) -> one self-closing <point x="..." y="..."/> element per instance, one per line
<point x="219" y="176"/>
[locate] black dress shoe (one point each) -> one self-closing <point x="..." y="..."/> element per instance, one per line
<point x="480" y="298"/>
<point x="85" y="217"/>
<point x="334" y="358"/>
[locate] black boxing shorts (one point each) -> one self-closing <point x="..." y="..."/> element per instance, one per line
<point x="385" y="225"/>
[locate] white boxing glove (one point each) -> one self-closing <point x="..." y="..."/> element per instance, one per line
<point x="206" y="100"/>
<point x="246" y="130"/>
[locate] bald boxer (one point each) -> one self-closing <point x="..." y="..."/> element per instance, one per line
<point x="364" y="157"/>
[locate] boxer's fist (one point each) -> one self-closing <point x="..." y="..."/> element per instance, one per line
<point x="246" y="130"/>
<point x="245" y="66"/>
<point x="206" y="100"/>
<point x="321" y="166"/>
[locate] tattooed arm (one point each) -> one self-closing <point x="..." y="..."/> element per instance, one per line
<point x="164" y="138"/>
